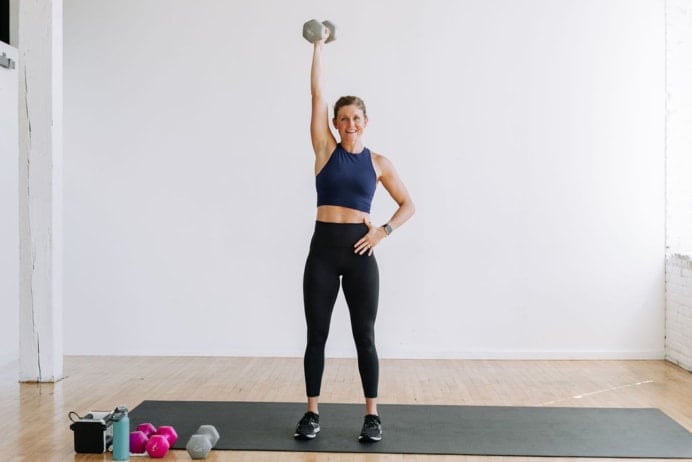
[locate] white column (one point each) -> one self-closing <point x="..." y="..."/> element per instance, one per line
<point x="679" y="125"/>
<point x="9" y="227"/>
<point x="39" y="40"/>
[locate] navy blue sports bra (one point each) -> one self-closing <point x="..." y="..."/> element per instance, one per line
<point x="347" y="180"/>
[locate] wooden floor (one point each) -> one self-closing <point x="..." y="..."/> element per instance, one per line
<point x="35" y="426"/>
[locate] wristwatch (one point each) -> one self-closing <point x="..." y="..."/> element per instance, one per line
<point x="387" y="229"/>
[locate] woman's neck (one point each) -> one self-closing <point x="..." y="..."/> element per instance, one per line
<point x="353" y="147"/>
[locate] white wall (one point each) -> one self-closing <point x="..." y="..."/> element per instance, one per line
<point x="678" y="331"/>
<point x="9" y="227"/>
<point x="530" y="134"/>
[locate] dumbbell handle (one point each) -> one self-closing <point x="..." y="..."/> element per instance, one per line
<point x="205" y="436"/>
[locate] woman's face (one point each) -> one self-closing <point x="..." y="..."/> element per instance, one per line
<point x="350" y="123"/>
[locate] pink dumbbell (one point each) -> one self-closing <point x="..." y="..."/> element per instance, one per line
<point x="157" y="446"/>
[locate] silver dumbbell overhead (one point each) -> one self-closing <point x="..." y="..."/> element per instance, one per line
<point x="204" y="439"/>
<point x="313" y="31"/>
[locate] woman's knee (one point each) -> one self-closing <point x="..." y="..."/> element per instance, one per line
<point x="317" y="338"/>
<point x="365" y="340"/>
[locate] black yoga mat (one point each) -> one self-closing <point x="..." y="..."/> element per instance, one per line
<point x="421" y="429"/>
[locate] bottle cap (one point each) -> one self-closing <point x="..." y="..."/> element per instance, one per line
<point x="119" y="413"/>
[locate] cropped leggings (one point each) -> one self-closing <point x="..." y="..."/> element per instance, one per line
<point x="332" y="260"/>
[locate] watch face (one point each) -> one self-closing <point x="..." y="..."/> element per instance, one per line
<point x="388" y="229"/>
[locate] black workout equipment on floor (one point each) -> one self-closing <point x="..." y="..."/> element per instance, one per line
<point x="423" y="429"/>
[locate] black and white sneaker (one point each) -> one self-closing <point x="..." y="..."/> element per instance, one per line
<point x="372" y="429"/>
<point x="308" y="427"/>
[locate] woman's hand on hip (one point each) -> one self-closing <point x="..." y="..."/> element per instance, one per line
<point x="368" y="242"/>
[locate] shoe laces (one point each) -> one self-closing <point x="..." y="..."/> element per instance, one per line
<point x="309" y="418"/>
<point x="372" y="421"/>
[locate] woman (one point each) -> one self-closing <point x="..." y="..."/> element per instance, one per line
<point x="342" y="245"/>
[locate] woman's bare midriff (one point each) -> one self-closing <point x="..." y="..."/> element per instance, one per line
<point x="337" y="214"/>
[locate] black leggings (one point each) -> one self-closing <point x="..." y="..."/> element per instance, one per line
<point x="332" y="256"/>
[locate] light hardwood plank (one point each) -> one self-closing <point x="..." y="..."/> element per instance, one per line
<point x="35" y="426"/>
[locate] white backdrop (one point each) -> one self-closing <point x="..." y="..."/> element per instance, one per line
<point x="529" y="133"/>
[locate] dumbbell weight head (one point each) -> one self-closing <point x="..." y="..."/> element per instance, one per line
<point x="198" y="446"/>
<point x="138" y="442"/>
<point x="211" y="432"/>
<point x="332" y="31"/>
<point x="169" y="432"/>
<point x="313" y="31"/>
<point x="157" y="446"/>
<point x="147" y="427"/>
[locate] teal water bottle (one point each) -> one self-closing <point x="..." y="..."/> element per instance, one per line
<point x="121" y="434"/>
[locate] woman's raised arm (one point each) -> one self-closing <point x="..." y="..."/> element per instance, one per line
<point x="323" y="141"/>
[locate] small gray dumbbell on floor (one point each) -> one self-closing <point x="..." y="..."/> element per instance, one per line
<point x="313" y="31"/>
<point x="204" y="439"/>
